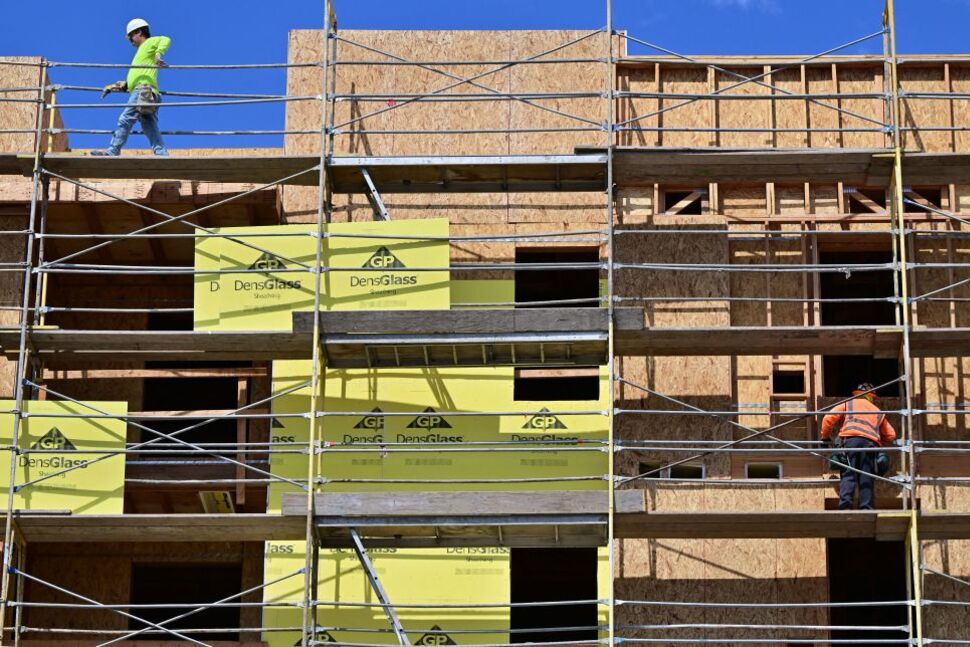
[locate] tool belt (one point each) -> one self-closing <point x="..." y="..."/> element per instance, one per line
<point x="838" y="460"/>
<point x="146" y="97"/>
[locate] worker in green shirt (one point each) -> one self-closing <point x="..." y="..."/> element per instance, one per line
<point x="142" y="86"/>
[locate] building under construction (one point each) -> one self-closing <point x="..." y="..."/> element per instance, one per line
<point x="518" y="338"/>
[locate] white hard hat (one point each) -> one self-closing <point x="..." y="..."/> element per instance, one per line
<point x="135" y="23"/>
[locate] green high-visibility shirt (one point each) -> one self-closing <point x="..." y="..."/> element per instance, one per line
<point x="147" y="51"/>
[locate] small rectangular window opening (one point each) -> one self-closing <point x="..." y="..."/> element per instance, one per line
<point x="687" y="471"/>
<point x="683" y="471"/>
<point x="866" y="201"/>
<point x="672" y="198"/>
<point x="574" y="285"/>
<point x="788" y="382"/>
<point x="541" y="389"/>
<point x="931" y="194"/>
<point x="763" y="470"/>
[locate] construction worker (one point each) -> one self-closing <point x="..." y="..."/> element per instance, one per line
<point x="142" y="86"/>
<point x="861" y="425"/>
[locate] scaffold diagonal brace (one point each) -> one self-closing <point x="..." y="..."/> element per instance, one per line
<point x="375" y="582"/>
<point x="380" y="211"/>
<point x="96" y="604"/>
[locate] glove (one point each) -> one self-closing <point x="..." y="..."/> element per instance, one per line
<point x="826" y="443"/>
<point x="119" y="86"/>
<point x="159" y="62"/>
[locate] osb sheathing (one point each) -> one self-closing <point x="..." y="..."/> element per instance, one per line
<point x="824" y="122"/>
<point x="301" y="203"/>
<point x="721" y="570"/>
<point x="12" y="250"/>
<point x="689" y="122"/>
<point x="103" y="571"/>
<point x="951" y="558"/>
<point x="923" y="113"/>
<point x="700" y="381"/>
<point x="21" y="115"/>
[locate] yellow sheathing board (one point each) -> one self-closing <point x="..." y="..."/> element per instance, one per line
<point x="427" y="575"/>
<point x="259" y="290"/>
<point x="430" y="398"/>
<point x="58" y="442"/>
<point x="271" y="286"/>
<point x="441" y="576"/>
<point x="384" y="273"/>
<point x="289" y="433"/>
<point x="483" y="291"/>
<point x="206" y="286"/>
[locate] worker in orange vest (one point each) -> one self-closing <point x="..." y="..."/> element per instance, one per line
<point x="861" y="425"/>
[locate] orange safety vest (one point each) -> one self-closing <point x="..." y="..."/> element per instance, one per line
<point x="862" y="424"/>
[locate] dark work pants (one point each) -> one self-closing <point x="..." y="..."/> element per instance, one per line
<point x="865" y="461"/>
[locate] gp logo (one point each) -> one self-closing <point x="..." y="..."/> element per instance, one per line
<point x="544" y="420"/>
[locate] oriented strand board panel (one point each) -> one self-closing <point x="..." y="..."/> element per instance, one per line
<point x="20" y="115"/>
<point x="723" y="570"/>
<point x="861" y="79"/>
<point x="960" y="110"/>
<point x="636" y="115"/>
<point x="742" y="115"/>
<point x="682" y="115"/>
<point x="822" y="114"/>
<point x="102" y="571"/>
<point x="557" y="78"/>
<point x="791" y="116"/>
<point x="924" y="113"/>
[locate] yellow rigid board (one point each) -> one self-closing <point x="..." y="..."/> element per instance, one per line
<point x="386" y="273"/>
<point x="451" y="576"/>
<point x="416" y="576"/>
<point x="54" y="443"/>
<point x="208" y="250"/>
<point x="271" y="286"/>
<point x="439" y="406"/>
<point x="260" y="290"/>
<point x="443" y="576"/>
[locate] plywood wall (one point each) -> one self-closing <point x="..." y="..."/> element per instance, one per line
<point x="103" y="571"/>
<point x="849" y="122"/>
<point x="364" y="137"/>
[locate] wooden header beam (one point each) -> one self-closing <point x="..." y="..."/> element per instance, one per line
<point x="545" y="518"/>
<point x="585" y="170"/>
<point x="159" y="527"/>
<point x="550" y="337"/>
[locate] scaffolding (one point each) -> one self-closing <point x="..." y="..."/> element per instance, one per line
<point x="543" y="334"/>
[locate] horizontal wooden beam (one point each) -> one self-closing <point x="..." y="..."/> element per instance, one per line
<point x="456" y="322"/>
<point x="585" y="170"/>
<point x="151" y="373"/>
<point x="460" y="504"/>
<point x="554" y="338"/>
<point x="196" y="413"/>
<point x="159" y="527"/>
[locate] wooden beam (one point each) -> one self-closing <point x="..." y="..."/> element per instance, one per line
<point x="159" y="528"/>
<point x="195" y="413"/>
<point x="419" y="505"/>
<point x="539" y="373"/>
<point x="444" y="322"/>
<point x="142" y="373"/>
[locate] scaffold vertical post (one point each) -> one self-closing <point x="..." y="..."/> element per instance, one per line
<point x="316" y="384"/>
<point x="899" y="221"/>
<point x="610" y="360"/>
<point x="19" y="611"/>
<point x="23" y="361"/>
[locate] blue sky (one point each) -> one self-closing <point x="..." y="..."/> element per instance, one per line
<point x="246" y="31"/>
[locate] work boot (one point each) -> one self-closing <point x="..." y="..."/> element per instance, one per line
<point x="104" y="153"/>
